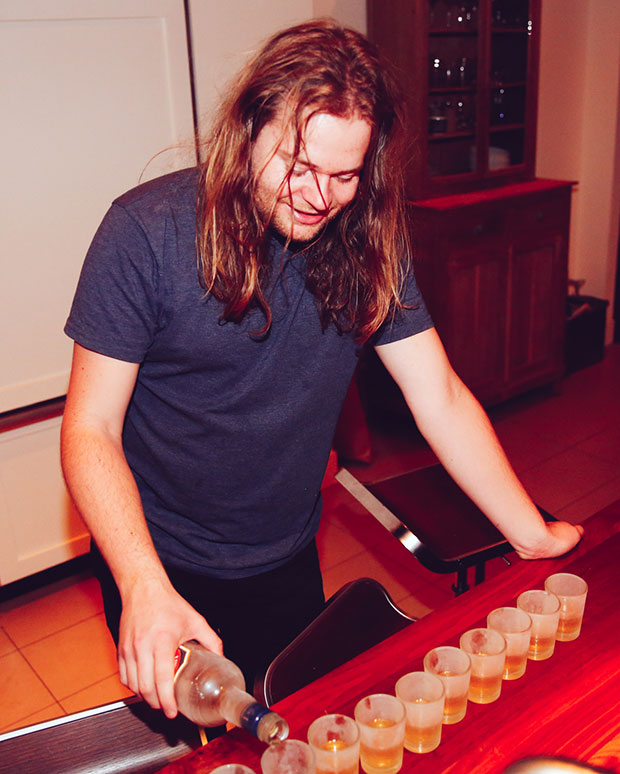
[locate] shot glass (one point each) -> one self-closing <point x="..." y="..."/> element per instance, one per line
<point x="515" y="626"/>
<point x="571" y="590"/>
<point x="487" y="650"/>
<point x="423" y="695"/>
<point x="453" y="667"/>
<point x="543" y="608"/>
<point x="233" y="768"/>
<point x="381" y="721"/>
<point x="335" y="741"/>
<point x="289" y="757"/>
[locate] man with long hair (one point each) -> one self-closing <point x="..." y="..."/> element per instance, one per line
<point x="217" y="323"/>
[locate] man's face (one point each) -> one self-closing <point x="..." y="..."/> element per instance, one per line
<point x="324" y="176"/>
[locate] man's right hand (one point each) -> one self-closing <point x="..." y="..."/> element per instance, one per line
<point x="154" y="622"/>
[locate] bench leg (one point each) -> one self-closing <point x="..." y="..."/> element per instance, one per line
<point x="479" y="573"/>
<point x="461" y="582"/>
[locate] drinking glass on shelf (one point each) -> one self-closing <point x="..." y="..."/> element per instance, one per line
<point x="453" y="667"/>
<point x="544" y="610"/>
<point x="436" y="75"/>
<point x="442" y="13"/>
<point x="487" y="650"/>
<point x="289" y="757"/>
<point x="571" y="590"/>
<point x="423" y="695"/>
<point x="335" y="741"/>
<point x="381" y="721"/>
<point x="515" y="626"/>
<point x="464" y="118"/>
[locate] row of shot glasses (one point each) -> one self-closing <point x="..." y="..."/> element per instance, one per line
<point x="385" y="725"/>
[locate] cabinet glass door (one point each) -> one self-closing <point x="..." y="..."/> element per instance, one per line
<point x="469" y="69"/>
<point x="511" y="30"/>
<point x="452" y="86"/>
<point x="478" y="75"/>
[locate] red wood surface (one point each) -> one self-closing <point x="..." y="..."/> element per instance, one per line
<point x="539" y="185"/>
<point x="568" y="705"/>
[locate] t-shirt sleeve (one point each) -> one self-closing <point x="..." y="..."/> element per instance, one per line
<point x="413" y="317"/>
<point x="115" y="307"/>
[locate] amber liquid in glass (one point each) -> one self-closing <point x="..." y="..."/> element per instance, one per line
<point x="332" y="745"/>
<point x="515" y="666"/>
<point x="381" y="760"/>
<point x="424" y="739"/>
<point x="541" y="648"/>
<point x="568" y="629"/>
<point x="484" y="690"/>
<point x="454" y="708"/>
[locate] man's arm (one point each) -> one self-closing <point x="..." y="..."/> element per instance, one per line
<point x="459" y="431"/>
<point x="155" y="619"/>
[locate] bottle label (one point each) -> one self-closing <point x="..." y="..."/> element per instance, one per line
<point x="252" y="715"/>
<point x="181" y="657"/>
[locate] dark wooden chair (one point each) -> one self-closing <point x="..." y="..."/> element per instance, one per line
<point x="355" y="618"/>
<point x="126" y="737"/>
<point x="434" y="519"/>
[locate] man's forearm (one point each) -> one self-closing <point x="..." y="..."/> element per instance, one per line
<point x="105" y="493"/>
<point x="464" y="440"/>
<point x="459" y="431"/>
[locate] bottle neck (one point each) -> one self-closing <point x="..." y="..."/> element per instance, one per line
<point x="251" y="717"/>
<point x="241" y="709"/>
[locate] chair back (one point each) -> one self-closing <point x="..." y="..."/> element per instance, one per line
<point x="355" y="618"/>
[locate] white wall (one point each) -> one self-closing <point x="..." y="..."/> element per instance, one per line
<point x="579" y="131"/>
<point x="89" y="93"/>
<point x="351" y="13"/>
<point x="225" y="35"/>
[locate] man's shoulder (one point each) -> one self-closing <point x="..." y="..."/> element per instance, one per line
<point x="176" y="188"/>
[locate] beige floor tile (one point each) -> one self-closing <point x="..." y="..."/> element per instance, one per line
<point x="580" y="510"/>
<point x="335" y="544"/>
<point x="567" y="477"/>
<point x="49" y="713"/>
<point x="604" y="445"/>
<point x="23" y="692"/>
<point x="398" y="582"/>
<point x="524" y="447"/>
<point x="414" y="607"/>
<point x="33" y="617"/>
<point x="348" y="514"/>
<point x="75" y="658"/>
<point x="6" y="644"/>
<point x="437" y="594"/>
<point x="104" y="692"/>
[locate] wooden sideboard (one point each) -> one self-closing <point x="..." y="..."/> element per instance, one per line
<point x="492" y="267"/>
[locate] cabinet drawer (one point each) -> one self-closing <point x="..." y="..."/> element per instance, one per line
<point x="473" y="225"/>
<point x="543" y="215"/>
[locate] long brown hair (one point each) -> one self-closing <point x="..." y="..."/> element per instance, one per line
<point x="355" y="268"/>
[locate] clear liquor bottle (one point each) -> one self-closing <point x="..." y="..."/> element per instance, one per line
<point x="210" y="690"/>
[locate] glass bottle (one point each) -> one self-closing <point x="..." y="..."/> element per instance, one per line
<point x="210" y="690"/>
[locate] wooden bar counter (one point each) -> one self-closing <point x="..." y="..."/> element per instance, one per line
<point x="566" y="706"/>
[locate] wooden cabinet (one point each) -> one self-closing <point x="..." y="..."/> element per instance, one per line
<point x="470" y="73"/>
<point x="39" y="525"/>
<point x="491" y="242"/>
<point x="492" y="268"/>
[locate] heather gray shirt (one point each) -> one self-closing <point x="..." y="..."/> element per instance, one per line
<point x="227" y="435"/>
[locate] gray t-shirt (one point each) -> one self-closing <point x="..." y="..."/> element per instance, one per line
<point x="227" y="434"/>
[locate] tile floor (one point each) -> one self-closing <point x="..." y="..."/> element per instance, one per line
<point x="56" y="656"/>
